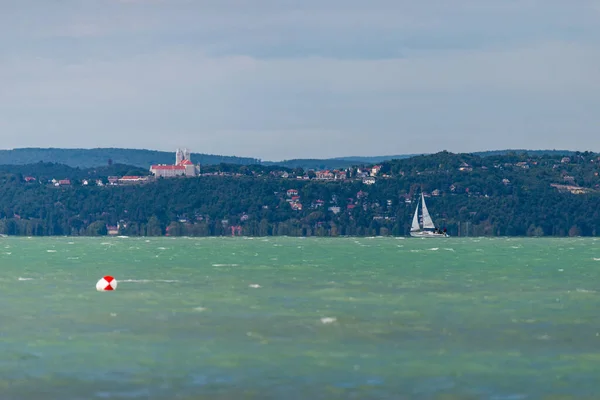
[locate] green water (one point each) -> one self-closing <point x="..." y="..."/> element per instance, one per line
<point x="343" y="318"/>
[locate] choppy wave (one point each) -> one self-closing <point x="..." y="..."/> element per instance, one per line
<point x="148" y="280"/>
<point x="584" y="290"/>
<point x="302" y="296"/>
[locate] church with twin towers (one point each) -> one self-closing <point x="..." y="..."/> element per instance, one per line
<point x="181" y="155"/>
<point x="183" y="166"/>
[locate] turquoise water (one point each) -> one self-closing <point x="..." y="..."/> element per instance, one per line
<point x="291" y="318"/>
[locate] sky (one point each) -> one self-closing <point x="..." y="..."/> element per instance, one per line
<point x="282" y="79"/>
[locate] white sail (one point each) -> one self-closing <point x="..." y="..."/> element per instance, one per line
<point x="427" y="221"/>
<point x="428" y="230"/>
<point x="415" y="222"/>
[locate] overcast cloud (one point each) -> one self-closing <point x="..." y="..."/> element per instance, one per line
<point x="280" y="79"/>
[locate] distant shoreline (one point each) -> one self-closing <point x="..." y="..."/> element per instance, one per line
<point x="470" y="196"/>
<point x="427" y="240"/>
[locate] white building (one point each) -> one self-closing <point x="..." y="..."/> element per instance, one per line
<point x="183" y="166"/>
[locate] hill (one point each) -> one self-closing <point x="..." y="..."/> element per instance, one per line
<point x="525" y="151"/>
<point x="44" y="171"/>
<point x="315" y="164"/>
<point x="86" y="158"/>
<point x="512" y="194"/>
<point x="345" y="162"/>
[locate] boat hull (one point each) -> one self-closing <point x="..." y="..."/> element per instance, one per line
<point x="426" y="234"/>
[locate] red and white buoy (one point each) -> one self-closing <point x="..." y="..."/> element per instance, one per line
<point x="106" y="283"/>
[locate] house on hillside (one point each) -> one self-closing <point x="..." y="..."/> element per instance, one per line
<point x="133" y="179"/>
<point x="369" y="181"/>
<point x="375" y="170"/>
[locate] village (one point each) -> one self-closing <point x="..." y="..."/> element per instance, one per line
<point x="381" y="209"/>
<point x="185" y="168"/>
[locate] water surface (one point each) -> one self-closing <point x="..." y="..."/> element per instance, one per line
<point x="292" y="318"/>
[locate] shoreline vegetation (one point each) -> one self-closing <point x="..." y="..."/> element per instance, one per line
<point x="241" y="237"/>
<point x="511" y="194"/>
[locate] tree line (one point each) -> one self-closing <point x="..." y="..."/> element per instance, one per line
<point x="491" y="195"/>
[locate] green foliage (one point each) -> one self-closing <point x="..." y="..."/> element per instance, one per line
<point x="44" y="171"/>
<point x="96" y="228"/>
<point x="496" y="195"/>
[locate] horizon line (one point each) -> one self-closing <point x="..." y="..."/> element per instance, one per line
<point x="335" y="158"/>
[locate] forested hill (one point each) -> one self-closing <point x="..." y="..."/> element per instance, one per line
<point x="86" y="158"/>
<point x="44" y="171"/>
<point x="509" y="194"/>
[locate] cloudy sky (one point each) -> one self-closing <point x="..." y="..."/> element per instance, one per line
<point x="280" y="79"/>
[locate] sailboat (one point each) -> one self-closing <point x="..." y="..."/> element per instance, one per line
<point x="428" y="230"/>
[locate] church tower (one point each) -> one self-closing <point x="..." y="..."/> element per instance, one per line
<point x="179" y="157"/>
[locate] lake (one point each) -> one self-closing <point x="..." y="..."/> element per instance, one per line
<point x="297" y="318"/>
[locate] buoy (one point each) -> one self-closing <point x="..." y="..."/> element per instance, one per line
<point x="106" y="283"/>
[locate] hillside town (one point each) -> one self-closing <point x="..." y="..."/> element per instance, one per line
<point x="184" y="167"/>
<point x="242" y="199"/>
